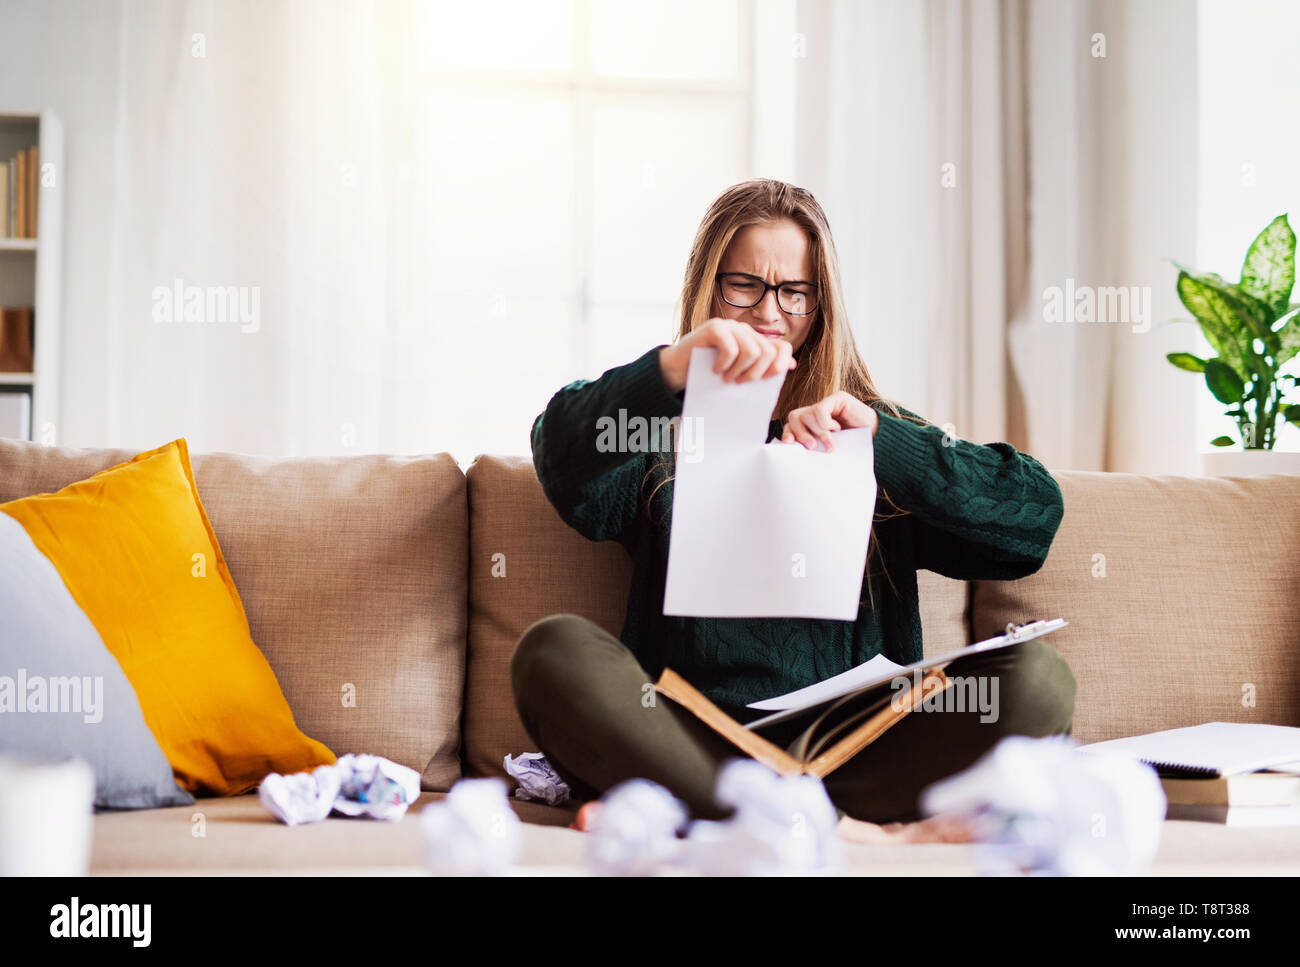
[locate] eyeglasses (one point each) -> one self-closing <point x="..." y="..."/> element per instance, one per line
<point x="746" y="291"/>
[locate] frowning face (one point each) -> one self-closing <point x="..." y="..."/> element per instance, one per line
<point x="775" y="253"/>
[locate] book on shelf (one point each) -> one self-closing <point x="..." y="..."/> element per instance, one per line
<point x="33" y="184"/>
<point x="843" y="714"/>
<point x="20" y="195"/>
<point x="11" y="197"/>
<point x="16" y="335"/>
<point x="19" y="188"/>
<point x="16" y="414"/>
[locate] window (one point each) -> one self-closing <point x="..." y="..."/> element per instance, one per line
<point x="571" y="159"/>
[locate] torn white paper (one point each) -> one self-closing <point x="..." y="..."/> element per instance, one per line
<point x="763" y="530"/>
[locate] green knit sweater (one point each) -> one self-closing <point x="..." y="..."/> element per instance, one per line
<point x="984" y="512"/>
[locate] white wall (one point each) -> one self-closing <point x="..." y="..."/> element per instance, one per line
<point x="62" y="55"/>
<point x="1248" y="96"/>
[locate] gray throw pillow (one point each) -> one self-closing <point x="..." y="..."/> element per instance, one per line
<point x="62" y="693"/>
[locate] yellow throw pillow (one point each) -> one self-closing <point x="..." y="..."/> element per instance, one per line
<point x="139" y="556"/>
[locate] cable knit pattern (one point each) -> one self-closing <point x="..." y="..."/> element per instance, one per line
<point x="974" y="512"/>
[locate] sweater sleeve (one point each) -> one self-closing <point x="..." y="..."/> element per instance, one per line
<point x="591" y="445"/>
<point x="978" y="512"/>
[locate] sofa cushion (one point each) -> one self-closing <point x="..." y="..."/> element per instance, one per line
<point x="90" y="709"/>
<point x="236" y="833"/>
<point x="352" y="574"/>
<point x="138" y="555"/>
<point x="1181" y="593"/>
<point x="526" y="563"/>
<point x="945" y="612"/>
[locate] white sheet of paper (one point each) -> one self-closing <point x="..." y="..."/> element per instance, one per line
<point x="764" y="530"/>
<point x="870" y="672"/>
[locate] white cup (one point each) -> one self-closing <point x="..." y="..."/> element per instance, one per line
<point x="46" y="815"/>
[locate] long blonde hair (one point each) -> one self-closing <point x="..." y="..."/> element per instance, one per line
<point x="828" y="358"/>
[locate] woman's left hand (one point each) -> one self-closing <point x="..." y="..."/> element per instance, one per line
<point x="839" y="411"/>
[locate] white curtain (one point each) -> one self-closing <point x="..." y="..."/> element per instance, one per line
<point x="253" y="153"/>
<point x="411" y="245"/>
<point x="446" y="211"/>
<point x="975" y="154"/>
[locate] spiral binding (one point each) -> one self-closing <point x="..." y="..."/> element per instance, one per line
<point x="1015" y="632"/>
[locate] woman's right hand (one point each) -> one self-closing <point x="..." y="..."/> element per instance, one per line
<point x="743" y="353"/>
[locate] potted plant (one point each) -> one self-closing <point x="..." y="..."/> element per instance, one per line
<point x="1254" y="329"/>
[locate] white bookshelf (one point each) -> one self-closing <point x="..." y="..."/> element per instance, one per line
<point x="31" y="270"/>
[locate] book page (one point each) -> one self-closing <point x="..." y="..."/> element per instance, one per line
<point x="874" y="671"/>
<point x="877" y="671"/>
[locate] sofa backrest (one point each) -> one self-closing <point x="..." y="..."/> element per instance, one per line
<point x="526" y="563"/>
<point x="1183" y="597"/>
<point x="388" y="593"/>
<point x="352" y="573"/>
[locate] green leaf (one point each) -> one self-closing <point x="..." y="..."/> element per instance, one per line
<point x="1224" y="382"/>
<point x="1292" y="413"/>
<point x="1193" y="364"/>
<point x="1257" y="316"/>
<point x="1222" y="441"/>
<point x="1218" y="318"/>
<point x="1288" y="335"/>
<point x="1269" y="271"/>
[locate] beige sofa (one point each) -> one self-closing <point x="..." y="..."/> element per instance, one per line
<point x="409" y="582"/>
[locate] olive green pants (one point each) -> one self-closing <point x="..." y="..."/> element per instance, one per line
<point x="591" y="709"/>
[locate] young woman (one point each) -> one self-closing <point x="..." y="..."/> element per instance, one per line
<point x="762" y="286"/>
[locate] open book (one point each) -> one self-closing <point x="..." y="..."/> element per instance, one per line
<point x="846" y="712"/>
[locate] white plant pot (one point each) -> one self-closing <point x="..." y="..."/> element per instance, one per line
<point x="1249" y="463"/>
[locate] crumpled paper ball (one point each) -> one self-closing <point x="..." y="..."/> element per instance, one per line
<point x="781" y="825"/>
<point x="472" y="832"/>
<point x="1041" y="806"/>
<point x="537" y="778"/>
<point x="355" y="785"/>
<point x="370" y="785"/>
<point x="300" y="797"/>
<point x="635" y="832"/>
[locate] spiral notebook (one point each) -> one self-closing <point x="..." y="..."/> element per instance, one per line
<point x="1209" y="750"/>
